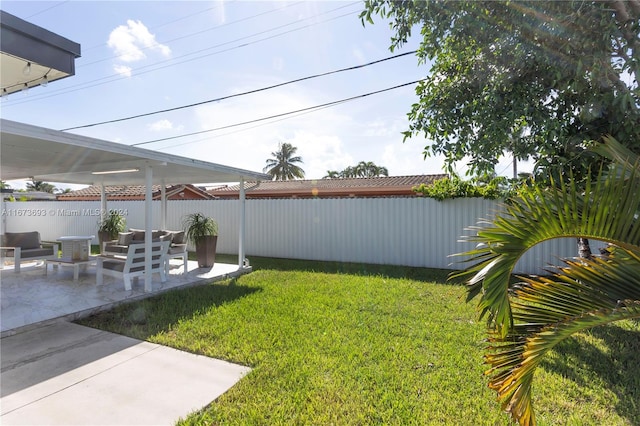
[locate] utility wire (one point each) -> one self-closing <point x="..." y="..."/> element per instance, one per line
<point x="47" y="9"/>
<point x="226" y="24"/>
<point x="172" y="62"/>
<point x="281" y="115"/>
<point x="175" y="145"/>
<point x="355" y="67"/>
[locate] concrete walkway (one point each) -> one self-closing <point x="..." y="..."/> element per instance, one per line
<point x="55" y="372"/>
<point x="67" y="374"/>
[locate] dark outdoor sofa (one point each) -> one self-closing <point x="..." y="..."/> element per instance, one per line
<point x="26" y="246"/>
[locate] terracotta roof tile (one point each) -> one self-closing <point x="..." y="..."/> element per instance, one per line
<point x="377" y="186"/>
<point x="128" y="192"/>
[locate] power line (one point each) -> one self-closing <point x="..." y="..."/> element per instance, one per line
<point x="281" y="115"/>
<point x="226" y="24"/>
<point x="47" y="9"/>
<point x="241" y="94"/>
<point x="245" y="129"/>
<point x="172" y="62"/>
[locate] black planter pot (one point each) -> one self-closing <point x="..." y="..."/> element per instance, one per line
<point x="206" y="251"/>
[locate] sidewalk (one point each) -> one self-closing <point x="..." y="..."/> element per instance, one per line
<point x="67" y="374"/>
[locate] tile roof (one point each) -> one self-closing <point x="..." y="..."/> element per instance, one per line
<point x="349" y="187"/>
<point x="132" y="192"/>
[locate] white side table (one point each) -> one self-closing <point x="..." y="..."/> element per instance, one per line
<point x="76" y="247"/>
<point x="62" y="261"/>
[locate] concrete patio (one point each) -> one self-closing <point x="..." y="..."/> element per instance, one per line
<point x="55" y="372"/>
<point x="30" y="298"/>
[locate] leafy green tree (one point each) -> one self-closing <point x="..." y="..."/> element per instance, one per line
<point x="41" y="186"/>
<point x="527" y="319"/>
<point x="532" y="78"/>
<point x="283" y="164"/>
<point x="454" y="187"/>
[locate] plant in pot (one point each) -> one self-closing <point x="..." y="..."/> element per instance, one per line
<point x="110" y="226"/>
<point x="203" y="232"/>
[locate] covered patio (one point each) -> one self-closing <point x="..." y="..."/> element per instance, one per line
<point x="29" y="152"/>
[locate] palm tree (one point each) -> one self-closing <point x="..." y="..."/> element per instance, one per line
<point x="281" y="166"/>
<point x="41" y="186"/>
<point x="332" y="174"/>
<point x="370" y="169"/>
<point x="349" y="172"/>
<point x="528" y="318"/>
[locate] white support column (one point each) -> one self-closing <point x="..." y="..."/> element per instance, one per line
<point x="163" y="207"/>
<point x="103" y="210"/>
<point x="3" y="216"/>
<point x="242" y="225"/>
<point x="103" y="202"/>
<point x="148" y="225"/>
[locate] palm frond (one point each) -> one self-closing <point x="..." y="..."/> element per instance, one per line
<point x="607" y="210"/>
<point x="529" y="318"/>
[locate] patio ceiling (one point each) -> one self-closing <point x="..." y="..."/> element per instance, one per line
<point x="31" y="152"/>
<point x="32" y="56"/>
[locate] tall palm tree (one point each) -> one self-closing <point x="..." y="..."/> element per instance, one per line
<point x="528" y="318"/>
<point x="282" y="166"/>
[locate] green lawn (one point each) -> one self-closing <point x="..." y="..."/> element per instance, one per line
<point x="346" y="344"/>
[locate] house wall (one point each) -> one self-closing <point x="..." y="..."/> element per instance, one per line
<point x="400" y="231"/>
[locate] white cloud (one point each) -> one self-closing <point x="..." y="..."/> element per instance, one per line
<point x="122" y="70"/>
<point x="129" y="42"/>
<point x="163" y="125"/>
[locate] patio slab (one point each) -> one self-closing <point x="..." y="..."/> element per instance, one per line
<point x="67" y="374"/>
<point x="55" y="372"/>
<point x="30" y="298"/>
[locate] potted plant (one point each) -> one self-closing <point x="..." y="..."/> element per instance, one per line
<point x="203" y="232"/>
<point x="110" y="226"/>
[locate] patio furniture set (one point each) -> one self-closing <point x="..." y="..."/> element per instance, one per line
<point x="122" y="258"/>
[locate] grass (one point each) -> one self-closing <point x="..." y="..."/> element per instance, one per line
<point x="333" y="343"/>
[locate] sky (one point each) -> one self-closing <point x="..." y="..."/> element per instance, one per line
<point x="146" y="56"/>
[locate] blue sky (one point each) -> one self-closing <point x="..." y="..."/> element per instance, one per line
<point x="140" y="57"/>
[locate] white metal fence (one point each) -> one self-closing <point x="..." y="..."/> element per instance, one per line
<point x="398" y="231"/>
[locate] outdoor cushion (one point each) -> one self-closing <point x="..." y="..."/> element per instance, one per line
<point x="36" y="252"/>
<point x="138" y="234"/>
<point x="177" y="248"/>
<point x="115" y="248"/>
<point x="113" y="265"/>
<point x="26" y="240"/>
<point x="125" y="238"/>
<point x="178" y="237"/>
<point x="31" y="253"/>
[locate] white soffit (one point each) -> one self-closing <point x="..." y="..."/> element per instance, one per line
<point x="31" y="152"/>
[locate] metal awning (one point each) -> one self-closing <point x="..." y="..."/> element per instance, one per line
<point x="31" y="56"/>
<point x="31" y="152"/>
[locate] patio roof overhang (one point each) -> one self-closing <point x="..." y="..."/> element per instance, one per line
<point x="31" y="152"/>
<point x="31" y="55"/>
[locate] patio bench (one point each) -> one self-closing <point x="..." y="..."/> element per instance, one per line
<point x="177" y="247"/>
<point x="132" y="263"/>
<point x="26" y="246"/>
